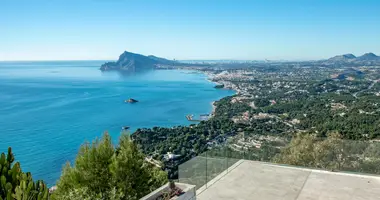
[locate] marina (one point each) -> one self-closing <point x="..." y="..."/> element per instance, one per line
<point x="202" y="117"/>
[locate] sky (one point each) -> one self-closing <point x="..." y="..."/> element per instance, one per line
<point x="187" y="29"/>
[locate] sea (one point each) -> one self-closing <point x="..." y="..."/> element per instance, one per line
<point x="48" y="109"/>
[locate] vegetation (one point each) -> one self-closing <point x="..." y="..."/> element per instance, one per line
<point x="219" y="86"/>
<point x="184" y="141"/>
<point x="102" y="171"/>
<point x="354" y="119"/>
<point x="16" y="185"/>
<point x="313" y="112"/>
<point x="262" y="102"/>
<point x="332" y="153"/>
<point x="275" y="100"/>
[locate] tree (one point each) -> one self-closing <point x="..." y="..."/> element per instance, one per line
<point x="331" y="153"/>
<point x="299" y="151"/>
<point x="131" y="173"/>
<point x="262" y="102"/>
<point x="85" y="194"/>
<point x="16" y="185"/>
<point x="102" y="171"/>
<point x="310" y="151"/>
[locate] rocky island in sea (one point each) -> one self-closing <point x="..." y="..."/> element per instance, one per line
<point x="131" y="101"/>
<point x="129" y="61"/>
<point x="133" y="62"/>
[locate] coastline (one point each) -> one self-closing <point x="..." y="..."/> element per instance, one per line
<point x="213" y="109"/>
<point x="165" y="139"/>
<point x="209" y="78"/>
<point x="106" y="106"/>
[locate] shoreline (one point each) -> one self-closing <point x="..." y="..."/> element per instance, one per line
<point x="209" y="77"/>
<point x="213" y="109"/>
<point x="113" y="126"/>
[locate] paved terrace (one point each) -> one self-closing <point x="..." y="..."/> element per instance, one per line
<point x="250" y="180"/>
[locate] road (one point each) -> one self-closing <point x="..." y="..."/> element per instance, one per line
<point x="369" y="87"/>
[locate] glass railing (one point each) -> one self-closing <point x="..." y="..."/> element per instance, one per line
<point x="202" y="169"/>
<point x="332" y="154"/>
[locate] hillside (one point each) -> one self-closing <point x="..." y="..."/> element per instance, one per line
<point x="344" y="57"/>
<point x="369" y="57"/>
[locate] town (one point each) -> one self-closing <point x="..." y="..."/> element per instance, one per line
<point x="273" y="102"/>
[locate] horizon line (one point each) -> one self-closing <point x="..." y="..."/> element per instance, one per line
<point x="50" y="60"/>
<point x="189" y="59"/>
<point x="223" y="59"/>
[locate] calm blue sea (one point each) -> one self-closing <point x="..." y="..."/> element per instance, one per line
<point x="48" y="109"/>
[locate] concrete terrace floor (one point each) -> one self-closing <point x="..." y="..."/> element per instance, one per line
<point x="251" y="180"/>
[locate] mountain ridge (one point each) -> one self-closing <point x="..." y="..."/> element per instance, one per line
<point x="343" y="57"/>
<point x="369" y="56"/>
<point x="351" y="60"/>
<point x="366" y="56"/>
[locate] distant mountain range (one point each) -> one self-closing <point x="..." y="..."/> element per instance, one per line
<point x="132" y="62"/>
<point x="365" y="59"/>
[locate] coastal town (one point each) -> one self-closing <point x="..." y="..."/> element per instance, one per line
<point x="273" y="102"/>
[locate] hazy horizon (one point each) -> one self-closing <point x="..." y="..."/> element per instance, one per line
<point x="190" y="30"/>
<point x="180" y="60"/>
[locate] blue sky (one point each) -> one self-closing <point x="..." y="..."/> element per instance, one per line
<point x="187" y="29"/>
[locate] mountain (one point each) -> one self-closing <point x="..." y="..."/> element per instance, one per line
<point x="368" y="57"/>
<point x="344" y="57"/>
<point x="350" y="60"/>
<point x="129" y="61"/>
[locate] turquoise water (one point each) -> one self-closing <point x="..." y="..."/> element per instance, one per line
<point x="48" y="109"/>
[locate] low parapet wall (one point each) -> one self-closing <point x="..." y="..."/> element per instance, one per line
<point x="189" y="192"/>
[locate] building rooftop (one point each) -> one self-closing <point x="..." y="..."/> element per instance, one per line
<point x="247" y="180"/>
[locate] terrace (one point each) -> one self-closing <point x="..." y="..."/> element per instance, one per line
<point x="263" y="181"/>
<point x="222" y="174"/>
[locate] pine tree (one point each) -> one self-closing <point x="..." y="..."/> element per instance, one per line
<point x="102" y="171"/>
<point x="16" y="185"/>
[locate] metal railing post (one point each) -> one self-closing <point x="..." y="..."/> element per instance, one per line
<point x="226" y="154"/>
<point x="206" y="170"/>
